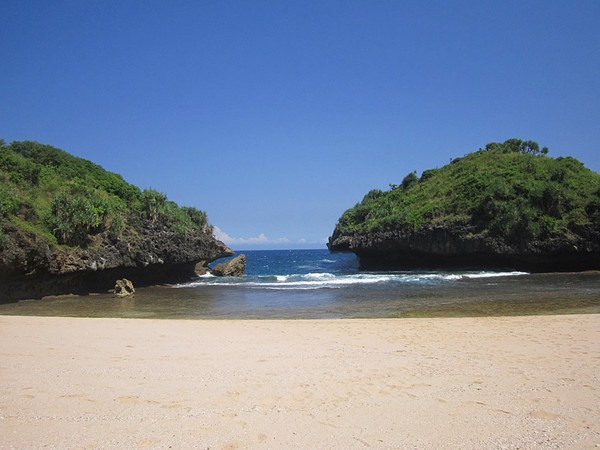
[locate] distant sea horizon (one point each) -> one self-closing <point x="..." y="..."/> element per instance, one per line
<point x="317" y="284"/>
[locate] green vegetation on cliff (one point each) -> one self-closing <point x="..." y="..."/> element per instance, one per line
<point x="511" y="190"/>
<point x="67" y="200"/>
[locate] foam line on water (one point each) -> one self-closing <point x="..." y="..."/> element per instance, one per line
<point x="320" y="280"/>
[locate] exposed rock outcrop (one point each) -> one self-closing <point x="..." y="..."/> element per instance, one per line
<point x="458" y="246"/>
<point x="235" y="267"/>
<point x="124" y="288"/>
<point x="31" y="268"/>
<point x="201" y="268"/>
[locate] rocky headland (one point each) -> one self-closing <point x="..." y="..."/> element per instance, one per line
<point x="68" y="226"/>
<point x="460" y="246"/>
<point x="33" y="268"/>
<point x="508" y="206"/>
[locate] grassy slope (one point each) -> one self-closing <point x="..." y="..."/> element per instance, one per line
<point x="65" y="200"/>
<point x="495" y="192"/>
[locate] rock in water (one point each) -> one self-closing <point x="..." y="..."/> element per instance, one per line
<point x="201" y="268"/>
<point x="235" y="267"/>
<point x="124" y="288"/>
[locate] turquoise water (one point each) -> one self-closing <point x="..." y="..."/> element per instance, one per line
<point x="314" y="284"/>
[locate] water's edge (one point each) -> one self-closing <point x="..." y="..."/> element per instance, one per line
<point x="313" y="284"/>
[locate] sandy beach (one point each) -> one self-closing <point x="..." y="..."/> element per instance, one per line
<point x="504" y="382"/>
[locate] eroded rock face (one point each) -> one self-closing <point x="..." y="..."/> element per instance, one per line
<point x="154" y="255"/>
<point x="236" y="267"/>
<point x="201" y="268"/>
<point x="460" y="246"/>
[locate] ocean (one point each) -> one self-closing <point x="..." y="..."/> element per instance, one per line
<point x="316" y="284"/>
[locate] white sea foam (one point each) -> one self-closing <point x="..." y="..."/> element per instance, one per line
<point x="321" y="280"/>
<point x="319" y="276"/>
<point x="494" y="274"/>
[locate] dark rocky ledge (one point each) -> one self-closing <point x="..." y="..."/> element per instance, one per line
<point x="156" y="255"/>
<point x="456" y="246"/>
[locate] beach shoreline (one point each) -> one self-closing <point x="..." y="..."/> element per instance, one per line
<point x="330" y="293"/>
<point x="487" y="382"/>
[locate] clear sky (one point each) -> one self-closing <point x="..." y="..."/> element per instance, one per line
<point x="276" y="116"/>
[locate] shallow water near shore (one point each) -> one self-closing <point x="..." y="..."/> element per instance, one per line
<point x="314" y="284"/>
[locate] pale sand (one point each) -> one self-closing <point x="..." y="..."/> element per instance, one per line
<point x="508" y="382"/>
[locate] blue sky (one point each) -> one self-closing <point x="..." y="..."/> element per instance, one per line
<point x="276" y="116"/>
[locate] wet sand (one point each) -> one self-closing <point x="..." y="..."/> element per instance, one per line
<point x="501" y="382"/>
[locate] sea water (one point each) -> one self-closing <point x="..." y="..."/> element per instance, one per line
<point x="289" y="270"/>
<point x="315" y="284"/>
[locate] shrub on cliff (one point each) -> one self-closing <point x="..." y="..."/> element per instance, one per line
<point x="72" y="218"/>
<point x="158" y="209"/>
<point x="509" y="190"/>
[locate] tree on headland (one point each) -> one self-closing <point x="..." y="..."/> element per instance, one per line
<point x="516" y="145"/>
<point x="153" y="202"/>
<point x="72" y="218"/>
<point x="409" y="180"/>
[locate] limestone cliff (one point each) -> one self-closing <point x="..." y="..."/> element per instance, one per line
<point x="462" y="246"/>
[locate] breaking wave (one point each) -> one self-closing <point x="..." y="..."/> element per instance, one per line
<point x="326" y="280"/>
